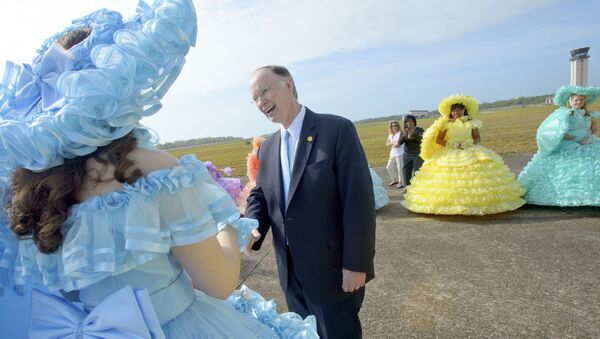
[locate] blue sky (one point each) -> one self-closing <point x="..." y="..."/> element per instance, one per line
<point x="355" y="58"/>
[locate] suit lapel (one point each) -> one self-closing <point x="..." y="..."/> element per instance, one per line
<point x="275" y="164"/>
<point x="308" y="136"/>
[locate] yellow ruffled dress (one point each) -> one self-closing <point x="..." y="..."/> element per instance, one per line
<point x="469" y="181"/>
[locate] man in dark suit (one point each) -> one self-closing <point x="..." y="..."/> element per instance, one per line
<point x="314" y="191"/>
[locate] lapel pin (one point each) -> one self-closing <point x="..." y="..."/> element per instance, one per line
<point x="309" y="138"/>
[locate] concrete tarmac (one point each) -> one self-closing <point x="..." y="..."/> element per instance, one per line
<point x="530" y="273"/>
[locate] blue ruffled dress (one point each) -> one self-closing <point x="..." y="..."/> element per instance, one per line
<point x="564" y="172"/>
<point x="381" y="197"/>
<point x="123" y="238"/>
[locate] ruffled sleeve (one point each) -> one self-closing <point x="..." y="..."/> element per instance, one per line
<point x="8" y="254"/>
<point x="552" y="130"/>
<point x="381" y="197"/>
<point x="118" y="231"/>
<point x="477" y="123"/>
<point x="428" y="146"/>
<point x="9" y="244"/>
<point x="595" y="115"/>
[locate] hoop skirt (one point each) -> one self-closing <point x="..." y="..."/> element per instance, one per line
<point x="564" y="172"/>
<point x="116" y="255"/>
<point x="469" y="181"/>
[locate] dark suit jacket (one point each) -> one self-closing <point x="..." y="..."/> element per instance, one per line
<point x="330" y="219"/>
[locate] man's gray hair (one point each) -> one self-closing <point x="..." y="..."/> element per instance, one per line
<point x="283" y="73"/>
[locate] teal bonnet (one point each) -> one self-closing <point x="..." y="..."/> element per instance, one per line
<point x="591" y="93"/>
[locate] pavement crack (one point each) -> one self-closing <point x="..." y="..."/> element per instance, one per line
<point x="253" y="269"/>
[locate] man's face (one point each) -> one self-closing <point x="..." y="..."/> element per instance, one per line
<point x="409" y="123"/>
<point x="272" y="95"/>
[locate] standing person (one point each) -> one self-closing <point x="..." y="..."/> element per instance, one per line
<point x="394" y="165"/>
<point x="460" y="176"/>
<point x="565" y="171"/>
<point x="102" y="215"/>
<point x="314" y="191"/>
<point x="411" y="139"/>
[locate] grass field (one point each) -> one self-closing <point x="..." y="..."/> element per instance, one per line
<point x="508" y="131"/>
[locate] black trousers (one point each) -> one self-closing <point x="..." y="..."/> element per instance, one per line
<point x="412" y="163"/>
<point x="336" y="320"/>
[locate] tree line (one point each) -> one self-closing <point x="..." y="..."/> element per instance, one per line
<point x="520" y="101"/>
<point x="197" y="141"/>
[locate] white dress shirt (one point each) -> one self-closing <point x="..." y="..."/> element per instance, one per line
<point x="294" y="130"/>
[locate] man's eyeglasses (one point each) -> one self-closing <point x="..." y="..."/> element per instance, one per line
<point x="260" y="95"/>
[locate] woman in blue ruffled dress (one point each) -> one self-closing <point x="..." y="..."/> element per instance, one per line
<point x="147" y="244"/>
<point x="565" y="171"/>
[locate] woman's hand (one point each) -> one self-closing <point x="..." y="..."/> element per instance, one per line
<point x="440" y="138"/>
<point x="255" y="237"/>
<point x="584" y="141"/>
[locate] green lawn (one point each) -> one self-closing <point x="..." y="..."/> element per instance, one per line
<point x="507" y="131"/>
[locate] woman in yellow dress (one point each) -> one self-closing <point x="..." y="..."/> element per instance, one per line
<point x="459" y="176"/>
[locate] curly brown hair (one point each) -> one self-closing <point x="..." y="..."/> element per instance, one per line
<point x="74" y="37"/>
<point x="40" y="202"/>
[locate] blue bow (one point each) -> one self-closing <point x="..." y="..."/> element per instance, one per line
<point x="32" y="88"/>
<point x="127" y="313"/>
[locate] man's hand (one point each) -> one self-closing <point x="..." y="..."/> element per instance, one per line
<point x="255" y="237"/>
<point x="353" y="281"/>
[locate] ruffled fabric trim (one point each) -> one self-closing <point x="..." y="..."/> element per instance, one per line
<point x="566" y="177"/>
<point x="8" y="254"/>
<point x="9" y="244"/>
<point x="470" y="104"/>
<point x="430" y="148"/>
<point x="464" y="157"/>
<point x="591" y="93"/>
<point x="481" y="185"/>
<point x="233" y="186"/>
<point x="127" y="68"/>
<point x="116" y="232"/>
<point x="285" y="325"/>
<point x="381" y="197"/>
<point x="552" y="130"/>
<point x="428" y="145"/>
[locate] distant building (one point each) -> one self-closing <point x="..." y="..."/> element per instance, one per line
<point x="419" y="113"/>
<point x="579" y="66"/>
<point x="548" y="101"/>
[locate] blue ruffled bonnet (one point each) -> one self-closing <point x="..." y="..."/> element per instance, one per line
<point x="69" y="103"/>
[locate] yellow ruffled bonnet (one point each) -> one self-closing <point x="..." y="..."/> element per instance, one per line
<point x="469" y="102"/>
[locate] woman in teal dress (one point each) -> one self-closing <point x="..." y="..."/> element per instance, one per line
<point x="565" y="171"/>
<point x="139" y="244"/>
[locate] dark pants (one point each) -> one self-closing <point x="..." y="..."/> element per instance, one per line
<point x="412" y="163"/>
<point x="336" y="320"/>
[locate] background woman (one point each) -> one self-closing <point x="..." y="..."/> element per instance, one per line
<point x="411" y="140"/>
<point x="394" y="165"/>
<point x="460" y="176"/>
<point x="565" y="171"/>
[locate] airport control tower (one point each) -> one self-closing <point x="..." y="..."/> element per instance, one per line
<point x="579" y="66"/>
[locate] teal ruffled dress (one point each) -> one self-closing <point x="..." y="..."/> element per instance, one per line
<point x="122" y="239"/>
<point x="564" y="172"/>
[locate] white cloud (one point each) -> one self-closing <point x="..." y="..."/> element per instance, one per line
<point x="235" y="39"/>
<point x="237" y="36"/>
